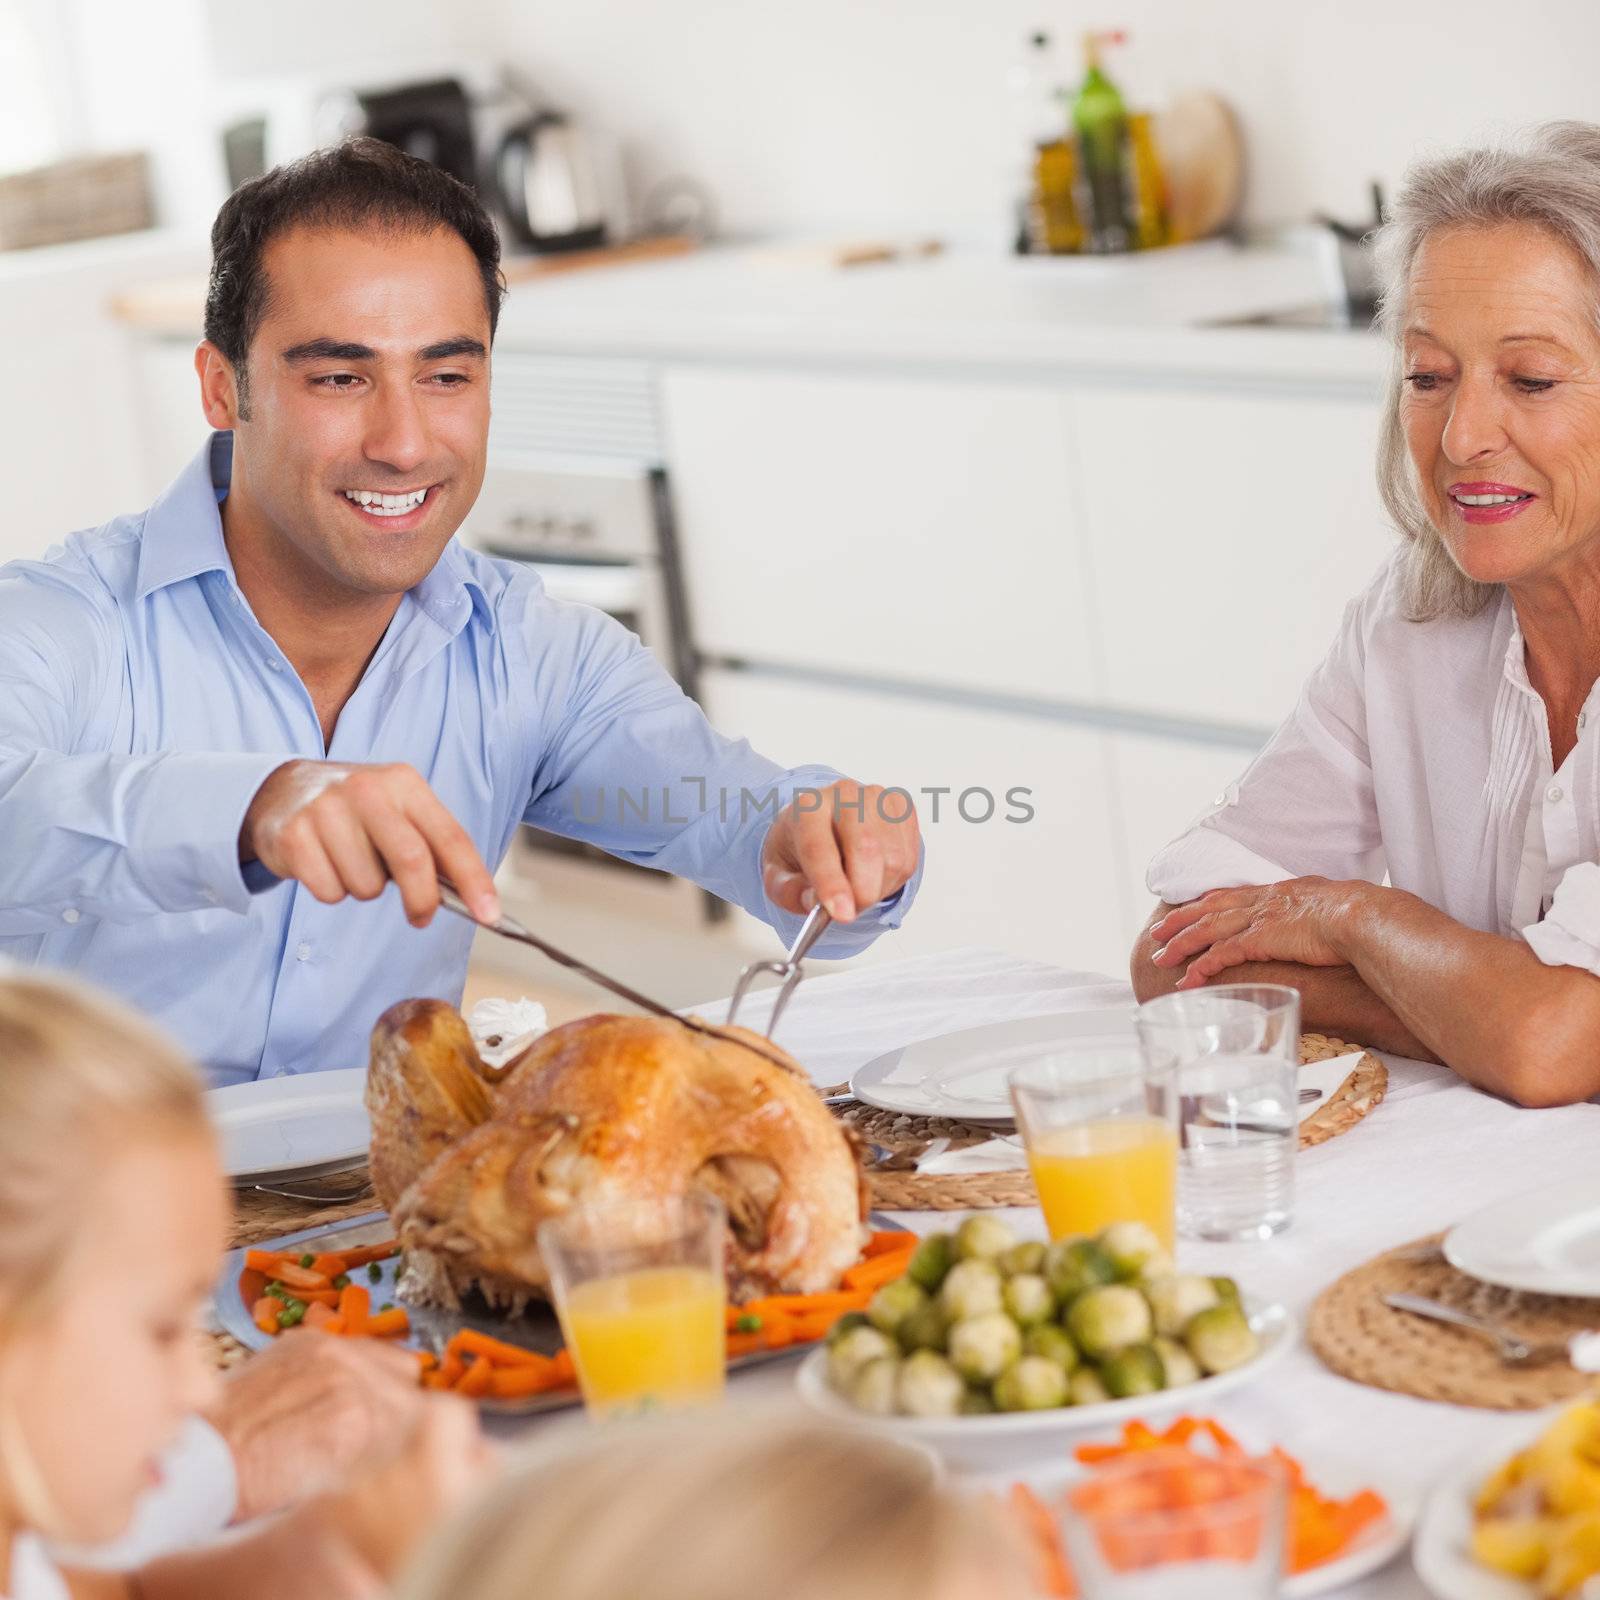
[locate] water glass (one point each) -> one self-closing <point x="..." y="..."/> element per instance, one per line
<point x="1158" y="1527"/>
<point x="641" y="1291"/>
<point x="1237" y="1048"/>
<point x="1097" y="1121"/>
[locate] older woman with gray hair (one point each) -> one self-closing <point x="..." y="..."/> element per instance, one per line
<point x="1450" y="740"/>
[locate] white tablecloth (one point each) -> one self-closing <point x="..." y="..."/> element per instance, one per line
<point x="1434" y="1151"/>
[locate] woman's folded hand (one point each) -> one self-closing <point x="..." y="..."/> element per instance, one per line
<point x="1299" y="920"/>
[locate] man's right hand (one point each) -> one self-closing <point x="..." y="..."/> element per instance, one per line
<point x="350" y="830"/>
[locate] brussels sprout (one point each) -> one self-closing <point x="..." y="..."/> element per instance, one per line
<point x="1132" y="1248"/>
<point x="981" y="1348"/>
<point x="970" y="1289"/>
<point x="874" y="1387"/>
<point x="1073" y="1265"/>
<point x="1175" y="1297"/>
<point x="925" y="1329"/>
<point x="1084" y="1388"/>
<point x="1135" y="1369"/>
<point x="852" y="1351"/>
<point x="928" y="1386"/>
<point x="1025" y="1257"/>
<point x="1227" y="1291"/>
<point x="850" y="1320"/>
<point x="976" y="1403"/>
<point x="1219" y="1338"/>
<point x="931" y="1260"/>
<point x="1027" y="1297"/>
<point x="983" y="1238"/>
<point x="1177" y="1365"/>
<point x="1053" y="1343"/>
<point x="1105" y="1319"/>
<point x="1033" y="1384"/>
<point x="893" y="1303"/>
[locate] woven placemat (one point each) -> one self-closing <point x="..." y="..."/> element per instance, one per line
<point x="1361" y="1338"/>
<point x="1362" y="1090"/>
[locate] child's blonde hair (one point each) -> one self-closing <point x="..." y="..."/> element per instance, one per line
<point x="80" y="1075"/>
<point x="720" y="1508"/>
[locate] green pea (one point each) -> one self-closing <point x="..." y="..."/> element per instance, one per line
<point x="292" y="1313"/>
<point x="747" y="1324"/>
<point x="342" y="1281"/>
<point x="374" y="1272"/>
<point x="308" y="1261"/>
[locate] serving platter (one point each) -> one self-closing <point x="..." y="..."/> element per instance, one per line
<point x="1442" y="1550"/>
<point x="979" y="1441"/>
<point x="962" y="1075"/>
<point x="432" y="1327"/>
<point x="306" y="1125"/>
<point x="1543" y="1241"/>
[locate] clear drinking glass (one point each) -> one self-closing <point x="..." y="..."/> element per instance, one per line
<point x="1158" y="1527"/>
<point x="642" y="1295"/>
<point x="1238" y="1062"/>
<point x="1097" y="1120"/>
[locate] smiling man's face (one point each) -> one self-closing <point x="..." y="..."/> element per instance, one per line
<point x="368" y="377"/>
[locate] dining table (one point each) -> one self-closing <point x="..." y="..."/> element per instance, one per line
<point x="1433" y="1152"/>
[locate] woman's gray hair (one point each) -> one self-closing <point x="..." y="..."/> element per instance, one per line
<point x="1550" y="179"/>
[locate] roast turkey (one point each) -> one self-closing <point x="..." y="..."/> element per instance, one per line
<point x="469" y="1159"/>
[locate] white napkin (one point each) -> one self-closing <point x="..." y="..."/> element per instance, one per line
<point x="512" y="1024"/>
<point x="1005" y="1153"/>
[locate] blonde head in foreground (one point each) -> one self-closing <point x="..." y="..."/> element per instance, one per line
<point x="720" y="1508"/>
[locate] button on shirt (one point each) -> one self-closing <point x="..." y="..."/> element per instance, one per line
<point x="142" y="706"/>
<point x="1420" y="750"/>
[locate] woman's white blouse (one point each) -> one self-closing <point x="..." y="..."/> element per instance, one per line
<point x="33" y="1576"/>
<point x="1420" y="751"/>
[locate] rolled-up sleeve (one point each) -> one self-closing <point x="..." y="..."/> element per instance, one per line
<point x="96" y="834"/>
<point x="1305" y="806"/>
<point x="1569" y="935"/>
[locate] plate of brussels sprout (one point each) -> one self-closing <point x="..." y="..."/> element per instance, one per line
<point x="989" y="1339"/>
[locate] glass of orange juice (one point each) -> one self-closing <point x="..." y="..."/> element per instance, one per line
<point x="1099" y="1122"/>
<point x="642" y="1295"/>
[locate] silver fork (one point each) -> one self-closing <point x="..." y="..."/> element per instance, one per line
<point x="1514" y="1350"/>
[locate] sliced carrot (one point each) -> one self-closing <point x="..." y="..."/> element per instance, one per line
<point x="517" y="1383"/>
<point x="838" y="1301"/>
<point x="264" y="1313"/>
<point x="315" y="1297"/>
<point x="293" y="1276"/>
<point x="427" y="1361"/>
<point x="889" y="1244"/>
<point x="363" y="1255"/>
<point x="355" y="1306"/>
<point x="470" y="1342"/>
<point x="319" y="1316"/>
<point x="816" y="1326"/>
<point x="744" y="1344"/>
<point x="252" y="1285"/>
<point x="1051" y="1572"/>
<point x="778" y="1334"/>
<point x="476" y="1379"/>
<point x="434" y="1380"/>
<point x="391" y="1324"/>
<point x="330" y="1266"/>
<point x="875" y="1273"/>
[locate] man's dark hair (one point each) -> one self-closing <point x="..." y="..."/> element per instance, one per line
<point x="360" y="183"/>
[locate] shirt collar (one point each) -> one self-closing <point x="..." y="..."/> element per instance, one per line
<point x="183" y="539"/>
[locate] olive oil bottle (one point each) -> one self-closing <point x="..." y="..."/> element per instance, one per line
<point x="1101" y="119"/>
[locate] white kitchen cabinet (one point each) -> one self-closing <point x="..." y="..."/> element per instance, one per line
<point x="1226" y="530"/>
<point x="1046" y="888"/>
<point x="1161" y="786"/>
<point x="917" y="530"/>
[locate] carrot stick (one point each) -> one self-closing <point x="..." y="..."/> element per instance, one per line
<point x="889" y="1244"/>
<point x="470" y="1342"/>
<point x="319" y="1316"/>
<point x="837" y="1301"/>
<point x="815" y="1326"/>
<point x="330" y="1266"/>
<point x="355" y="1306"/>
<point x="317" y="1297"/>
<point x="476" y="1379"/>
<point x="293" y="1276"/>
<point x="363" y="1254"/>
<point x="264" y="1313"/>
<point x="391" y="1324"/>
<point x="875" y="1273"/>
<point x="516" y="1383"/>
<point x="739" y="1344"/>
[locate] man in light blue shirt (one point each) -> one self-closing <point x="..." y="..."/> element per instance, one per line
<point x="242" y="733"/>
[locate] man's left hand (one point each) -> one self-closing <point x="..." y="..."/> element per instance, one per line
<point x="1298" y="920"/>
<point x="847" y="846"/>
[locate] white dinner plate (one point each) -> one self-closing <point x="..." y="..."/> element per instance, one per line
<point x="963" y="1075"/>
<point x="1377" y="1546"/>
<point x="1442" y="1551"/>
<point x="295" y="1126"/>
<point x="983" y="1442"/>
<point x="1546" y="1241"/>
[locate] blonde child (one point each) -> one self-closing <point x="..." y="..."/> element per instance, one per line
<point x="721" y="1508"/>
<point x="113" y="1217"/>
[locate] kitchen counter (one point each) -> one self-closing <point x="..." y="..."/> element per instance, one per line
<point x="1128" y="317"/>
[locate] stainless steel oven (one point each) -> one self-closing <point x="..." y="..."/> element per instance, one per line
<point x="598" y="532"/>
